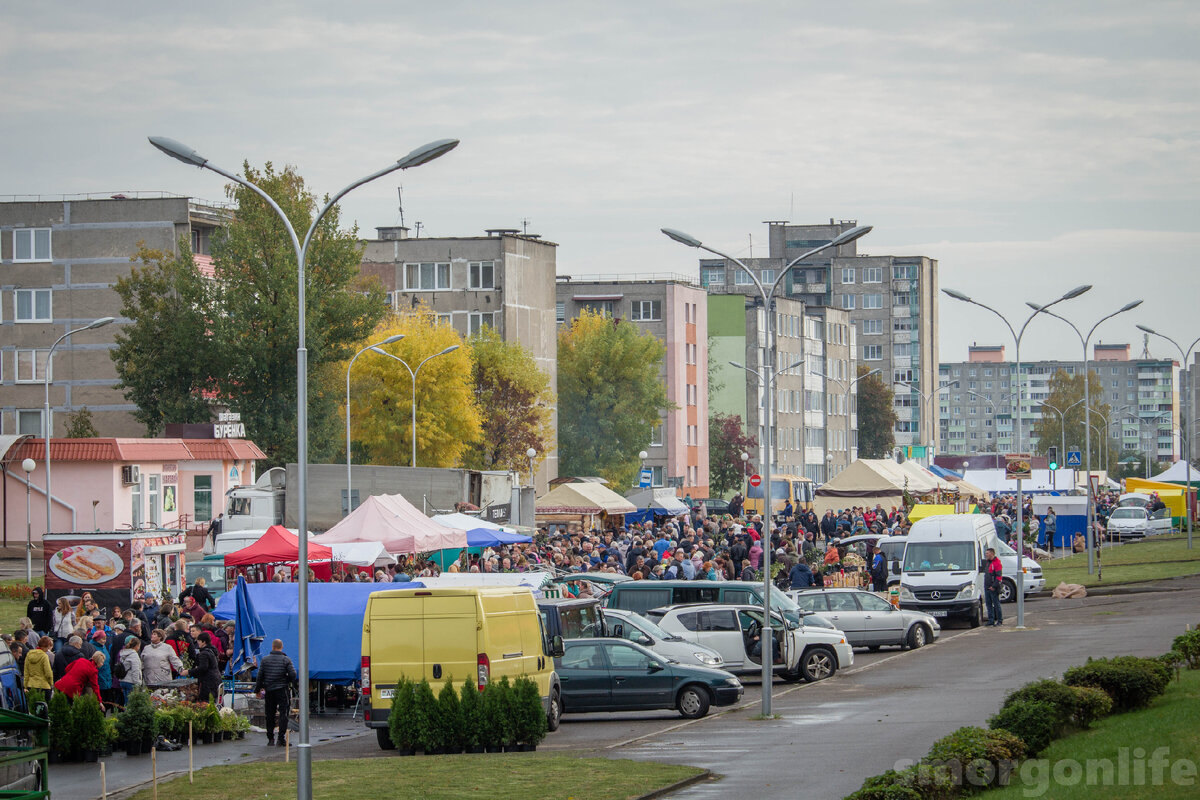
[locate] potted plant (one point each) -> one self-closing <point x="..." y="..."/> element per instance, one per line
<point x="91" y="733"/>
<point x="402" y="719"/>
<point x="528" y="715"/>
<point x="138" y="723"/>
<point x="62" y="736"/>
<point x="111" y="736"/>
<point x="470" y="718"/>
<point x="210" y="723"/>
<point x="428" y="719"/>
<point x="491" y="712"/>
<point x="451" y="718"/>
<point x="241" y="726"/>
<point x="225" y="718"/>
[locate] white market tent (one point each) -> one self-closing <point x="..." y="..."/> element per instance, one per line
<point x="878" y="480"/>
<point x="362" y="554"/>
<point x="663" y="500"/>
<point x="1177" y="473"/>
<point x="468" y="523"/>
<point x="395" y="522"/>
<point x="995" y="482"/>
<point x="534" y="579"/>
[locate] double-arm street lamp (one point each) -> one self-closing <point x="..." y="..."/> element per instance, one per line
<point x="414" y="373"/>
<point x="928" y="399"/>
<point x="416" y="158"/>
<point x="49" y="427"/>
<point x="1062" y="425"/>
<point x="767" y="371"/>
<point x="849" y="385"/>
<point x="1017" y="336"/>
<point x="1191" y="415"/>
<point x="374" y="348"/>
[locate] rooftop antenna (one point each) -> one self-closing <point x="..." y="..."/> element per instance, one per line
<point x="419" y="225"/>
<point x="751" y="235"/>
<point x="400" y="198"/>
<point x="1146" y="346"/>
<point x="525" y="226"/>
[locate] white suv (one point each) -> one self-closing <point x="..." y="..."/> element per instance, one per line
<point x="733" y="630"/>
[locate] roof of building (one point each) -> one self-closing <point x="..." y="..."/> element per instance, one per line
<point x="121" y="450"/>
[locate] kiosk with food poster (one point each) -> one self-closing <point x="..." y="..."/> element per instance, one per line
<point x="115" y="568"/>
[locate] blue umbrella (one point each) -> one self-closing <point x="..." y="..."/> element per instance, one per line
<point x="247" y="632"/>
<point x="486" y="537"/>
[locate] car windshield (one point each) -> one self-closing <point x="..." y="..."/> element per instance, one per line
<point x="939" y="556"/>
<point x="1128" y="513"/>
<point x="647" y="627"/>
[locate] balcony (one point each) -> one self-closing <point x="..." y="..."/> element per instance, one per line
<point x="902" y="285"/>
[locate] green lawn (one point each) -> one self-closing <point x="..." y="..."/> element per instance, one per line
<point x="1158" y="557"/>
<point x="1169" y="722"/>
<point x="12" y="610"/>
<point x="499" y="776"/>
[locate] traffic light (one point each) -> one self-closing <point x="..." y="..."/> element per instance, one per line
<point x="1052" y="456"/>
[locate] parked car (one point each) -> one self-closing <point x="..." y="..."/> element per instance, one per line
<point x="733" y="630"/>
<point x="1134" y="522"/>
<point x="868" y="620"/>
<point x="892" y="547"/>
<point x="642" y="596"/>
<point x="212" y="569"/>
<point x="715" y="506"/>
<point x="572" y="617"/>
<point x="629" y="625"/>
<point x="618" y="675"/>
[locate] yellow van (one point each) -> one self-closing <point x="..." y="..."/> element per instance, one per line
<point x="452" y="635"/>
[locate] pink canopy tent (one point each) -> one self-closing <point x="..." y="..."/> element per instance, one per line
<point x="391" y="519"/>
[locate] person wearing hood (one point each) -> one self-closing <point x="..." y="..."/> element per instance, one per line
<point x="40" y="612"/>
<point x="68" y="653"/>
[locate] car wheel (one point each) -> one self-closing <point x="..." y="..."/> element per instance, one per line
<point x="977" y="616"/>
<point x="791" y="677"/>
<point x="818" y="663"/>
<point x="1008" y="591"/>
<point x="555" y="715"/>
<point x="385" y="739"/>
<point x="873" y="648"/>
<point x="917" y="637"/>
<point x="693" y="702"/>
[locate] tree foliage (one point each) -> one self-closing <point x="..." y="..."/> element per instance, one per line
<point x="610" y="396"/>
<point x="876" y="416"/>
<point x="80" y="425"/>
<point x="381" y="394"/>
<point x="727" y="440"/>
<point x="167" y="358"/>
<point x="514" y="399"/>
<point x="1065" y="393"/>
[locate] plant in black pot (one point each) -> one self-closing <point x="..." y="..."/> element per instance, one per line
<point x="91" y="733"/>
<point x="138" y="723"/>
<point x="491" y="713"/>
<point x="210" y="723"/>
<point x="62" y="727"/>
<point x="528" y="715"/>
<point x="402" y="719"/>
<point x="470" y="718"/>
<point x="450" y="716"/>
<point x="506" y="722"/>
<point x="428" y="720"/>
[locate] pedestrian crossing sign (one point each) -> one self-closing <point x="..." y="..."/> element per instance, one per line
<point x="1074" y="459"/>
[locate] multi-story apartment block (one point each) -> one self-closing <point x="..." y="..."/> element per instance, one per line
<point x="676" y="312"/>
<point x="892" y="302"/>
<point x="978" y="401"/>
<point x="504" y="279"/>
<point x="61" y="260"/>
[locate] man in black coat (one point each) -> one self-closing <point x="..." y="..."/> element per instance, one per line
<point x="276" y="674"/>
<point x="200" y="592"/>
<point x="40" y="612"/>
<point x="70" y="652"/>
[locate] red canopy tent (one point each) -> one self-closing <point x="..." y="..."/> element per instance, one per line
<point x="277" y="546"/>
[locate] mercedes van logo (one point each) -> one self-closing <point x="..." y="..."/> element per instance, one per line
<point x="935" y="595"/>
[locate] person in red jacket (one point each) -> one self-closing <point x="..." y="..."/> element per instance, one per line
<point x="82" y="674"/>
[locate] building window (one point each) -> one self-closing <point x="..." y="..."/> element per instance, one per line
<point x="903" y="272"/>
<point x="31" y="244"/>
<point x="656" y="476"/>
<point x="872" y="275"/>
<point x="482" y="274"/>
<point x="902" y="376"/>
<point x="904" y="325"/>
<point x="902" y="299"/>
<point x="712" y="276"/>
<point x="646" y="311"/>
<point x="426" y="277"/>
<point x="477" y="319"/>
<point x="32" y="305"/>
<point x="152" y="497"/>
<point x="848" y="302"/>
<point x="30" y="422"/>
<point x="560" y="312"/>
<point x="202" y="497"/>
<point x="847" y="274"/>
<point x="902" y="350"/>
<point x="768" y="276"/>
<point x="135" y="506"/>
<point x="444" y="319"/>
<point x="872" y="352"/>
<point x="872" y="326"/>
<point x="31" y="365"/>
<point x="872" y="301"/>
<point x="201" y="241"/>
<point x="656" y="435"/>
<point x="741" y="278"/>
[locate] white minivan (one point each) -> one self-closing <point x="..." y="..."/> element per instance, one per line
<point x="940" y="570"/>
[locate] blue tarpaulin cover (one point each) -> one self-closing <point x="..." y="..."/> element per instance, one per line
<point x="335" y="620"/>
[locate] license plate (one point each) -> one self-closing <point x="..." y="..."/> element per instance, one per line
<point x="937" y="613"/>
<point x="386" y="694"/>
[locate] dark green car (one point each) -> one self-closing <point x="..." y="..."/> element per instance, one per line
<point x="617" y="675"/>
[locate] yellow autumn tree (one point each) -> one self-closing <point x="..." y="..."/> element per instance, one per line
<point x="381" y="394"/>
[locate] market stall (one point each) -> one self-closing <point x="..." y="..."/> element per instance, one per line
<point x="397" y="524"/>
<point x="592" y="506"/>
<point x="655" y="505"/>
<point x="115" y="568"/>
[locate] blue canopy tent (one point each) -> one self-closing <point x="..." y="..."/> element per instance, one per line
<point x="335" y="620"/>
<point x="477" y="540"/>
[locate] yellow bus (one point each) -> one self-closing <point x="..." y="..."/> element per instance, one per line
<point x="783" y="488"/>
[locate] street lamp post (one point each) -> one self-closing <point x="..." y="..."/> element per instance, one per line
<point x="1191" y="424"/>
<point x="531" y="454"/>
<point x="29" y="465"/>
<point x="927" y="399"/>
<point x="745" y="477"/>
<point x="416" y="158"/>
<point x="1062" y="431"/>
<point x="48" y="426"/>
<point x="1017" y="336"/>
<point x="414" y="373"/>
<point x="1087" y="411"/>
<point x="374" y="347"/>
<point x="848" y="386"/>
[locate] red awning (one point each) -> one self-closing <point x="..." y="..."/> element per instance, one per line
<point x="277" y="546"/>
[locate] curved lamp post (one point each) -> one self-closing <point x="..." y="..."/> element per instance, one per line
<point x="933" y="393"/>
<point x="97" y="323"/>
<point x="414" y="373"/>
<point x="374" y="347"/>
<point x="767" y="372"/>
<point x="849" y="386"/>
<point x="29" y="465"/>
<point x="1185" y="355"/>
<point x="1017" y="336"/>
<point x="422" y="155"/>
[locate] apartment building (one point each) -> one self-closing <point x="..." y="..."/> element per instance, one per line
<point x="676" y="311"/>
<point x="504" y="279"/>
<point x="61" y="259"/>
<point x="978" y="405"/>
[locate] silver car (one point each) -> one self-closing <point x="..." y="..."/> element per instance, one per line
<point x="867" y="619"/>
<point x="630" y="625"/>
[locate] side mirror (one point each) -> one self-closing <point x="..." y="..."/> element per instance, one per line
<point x="618" y="630"/>
<point x="556" y="647"/>
<point x="655" y="667"/>
<point x="896" y="566"/>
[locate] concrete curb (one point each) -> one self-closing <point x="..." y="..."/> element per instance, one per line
<point x="675" y="787"/>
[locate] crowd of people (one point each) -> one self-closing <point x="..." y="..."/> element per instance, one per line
<point x="83" y="647"/>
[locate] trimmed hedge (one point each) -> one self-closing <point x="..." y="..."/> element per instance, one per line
<point x="1188" y="646"/>
<point x="919" y="782"/>
<point x="977" y="758"/>
<point x="402" y="727"/>
<point x="1035" y="722"/>
<point x="1130" y="681"/>
<point x="1079" y="706"/>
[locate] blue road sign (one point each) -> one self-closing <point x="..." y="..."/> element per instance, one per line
<point x="644" y="480"/>
<point x="1074" y="459"/>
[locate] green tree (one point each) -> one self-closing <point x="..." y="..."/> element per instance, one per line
<point x="514" y="397"/>
<point x="256" y="289"/>
<point x="1065" y="394"/>
<point x="80" y="425"/>
<point x="610" y="396"/>
<point x="727" y="440"/>
<point x="448" y="419"/>
<point x="876" y="416"/>
<point x="166" y="359"/>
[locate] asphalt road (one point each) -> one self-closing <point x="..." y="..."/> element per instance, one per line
<point x="833" y="734"/>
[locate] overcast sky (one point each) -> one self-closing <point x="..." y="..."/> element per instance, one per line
<point x="1028" y="146"/>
